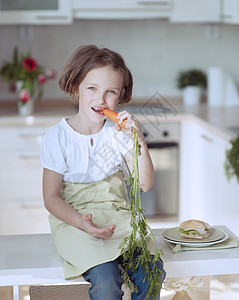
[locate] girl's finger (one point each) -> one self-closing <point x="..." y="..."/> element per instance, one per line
<point x="123" y="115"/>
<point x="132" y="124"/>
<point x="129" y="120"/>
<point x="112" y="227"/>
<point x="117" y="127"/>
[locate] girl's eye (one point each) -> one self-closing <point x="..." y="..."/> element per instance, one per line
<point x="91" y="88"/>
<point x="112" y="92"/>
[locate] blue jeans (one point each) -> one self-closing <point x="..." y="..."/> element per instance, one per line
<point x="106" y="281"/>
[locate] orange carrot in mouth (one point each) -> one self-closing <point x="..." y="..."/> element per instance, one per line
<point x="112" y="115"/>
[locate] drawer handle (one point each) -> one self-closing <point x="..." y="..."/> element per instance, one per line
<point x="226" y="17"/>
<point x="154" y="3"/>
<point x="30" y="206"/>
<point x="30" y="135"/>
<point x="52" y="17"/>
<point x="208" y="139"/>
<point x="28" y="157"/>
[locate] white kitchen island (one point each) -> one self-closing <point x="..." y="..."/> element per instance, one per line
<point x="32" y="259"/>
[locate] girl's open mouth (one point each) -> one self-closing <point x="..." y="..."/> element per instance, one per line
<point x="97" y="110"/>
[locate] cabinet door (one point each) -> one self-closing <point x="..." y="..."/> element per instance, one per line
<point x="199" y="11"/>
<point x="23" y="218"/>
<point x="205" y="191"/>
<point x="230" y="11"/>
<point x="21" y="138"/>
<point x="219" y="197"/>
<point x="20" y="175"/>
<point x="125" y="9"/>
<point x="35" y="12"/>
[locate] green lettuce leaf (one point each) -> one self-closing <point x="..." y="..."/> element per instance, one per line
<point x="190" y="231"/>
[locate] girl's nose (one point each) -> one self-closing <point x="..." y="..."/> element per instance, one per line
<point x="100" y="98"/>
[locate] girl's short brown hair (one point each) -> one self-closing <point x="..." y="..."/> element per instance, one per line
<point x="86" y="58"/>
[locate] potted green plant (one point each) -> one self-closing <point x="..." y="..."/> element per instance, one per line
<point x="231" y="164"/>
<point x="192" y="82"/>
<point x="27" y="77"/>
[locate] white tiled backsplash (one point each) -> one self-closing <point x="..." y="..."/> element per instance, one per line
<point x="154" y="50"/>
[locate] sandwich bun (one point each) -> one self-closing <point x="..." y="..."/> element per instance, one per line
<point x="194" y="229"/>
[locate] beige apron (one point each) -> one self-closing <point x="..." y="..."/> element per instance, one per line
<point x="108" y="203"/>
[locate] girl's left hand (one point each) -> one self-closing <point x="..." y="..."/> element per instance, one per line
<point x="130" y="123"/>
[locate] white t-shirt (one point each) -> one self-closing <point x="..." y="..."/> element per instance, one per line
<point x="71" y="154"/>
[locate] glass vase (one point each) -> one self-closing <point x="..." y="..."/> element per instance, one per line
<point x="26" y="109"/>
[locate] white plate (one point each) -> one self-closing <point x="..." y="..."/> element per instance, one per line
<point x="172" y="234"/>
<point x="195" y="243"/>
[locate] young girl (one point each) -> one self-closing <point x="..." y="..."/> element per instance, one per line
<point x="85" y="160"/>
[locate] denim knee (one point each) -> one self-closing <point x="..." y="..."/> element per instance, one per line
<point x="106" y="281"/>
<point x="138" y="278"/>
<point x="160" y="266"/>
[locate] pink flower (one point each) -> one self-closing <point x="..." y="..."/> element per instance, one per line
<point x="24" y="95"/>
<point x="51" y="74"/>
<point x="29" y="64"/>
<point x="42" y="78"/>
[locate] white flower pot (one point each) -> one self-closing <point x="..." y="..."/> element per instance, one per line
<point x="192" y="95"/>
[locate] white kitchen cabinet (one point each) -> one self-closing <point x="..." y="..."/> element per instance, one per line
<point x="125" y="9"/>
<point x="35" y="12"/>
<point x="204" y="11"/>
<point x="21" y="205"/>
<point x="21" y="217"/>
<point x="20" y="175"/>
<point x="230" y="11"/>
<point x="22" y="138"/>
<point x="199" y="11"/>
<point x="205" y="191"/>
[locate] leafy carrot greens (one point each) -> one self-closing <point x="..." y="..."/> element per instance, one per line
<point x="139" y="240"/>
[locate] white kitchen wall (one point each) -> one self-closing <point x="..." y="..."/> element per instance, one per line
<point x="154" y="50"/>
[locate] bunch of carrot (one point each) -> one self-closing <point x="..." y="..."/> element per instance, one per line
<point x="139" y="240"/>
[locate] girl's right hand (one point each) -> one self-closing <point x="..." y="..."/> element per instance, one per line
<point x="88" y="226"/>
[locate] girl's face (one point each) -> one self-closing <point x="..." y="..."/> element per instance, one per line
<point x="101" y="88"/>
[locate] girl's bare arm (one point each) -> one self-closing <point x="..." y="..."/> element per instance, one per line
<point x="66" y="213"/>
